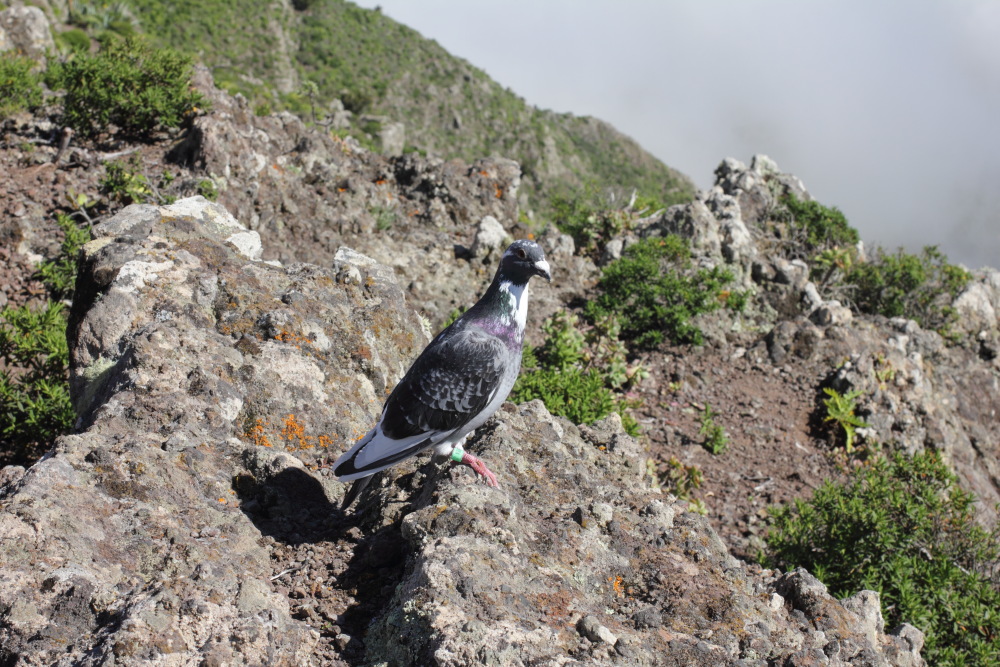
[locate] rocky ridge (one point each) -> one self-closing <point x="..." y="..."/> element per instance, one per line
<point x="188" y="519"/>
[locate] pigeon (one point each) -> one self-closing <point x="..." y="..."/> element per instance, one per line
<point x="460" y="379"/>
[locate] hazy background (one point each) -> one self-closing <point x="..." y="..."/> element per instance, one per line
<point x="888" y="110"/>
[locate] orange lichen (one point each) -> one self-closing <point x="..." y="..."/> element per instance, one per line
<point x="255" y="433"/>
<point x="286" y="336"/>
<point x="498" y="191"/>
<point x="617" y="586"/>
<point x="295" y="434"/>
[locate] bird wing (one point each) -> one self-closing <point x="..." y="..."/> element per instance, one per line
<point x="449" y="384"/>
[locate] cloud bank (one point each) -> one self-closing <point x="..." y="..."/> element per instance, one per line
<point x="887" y="110"/>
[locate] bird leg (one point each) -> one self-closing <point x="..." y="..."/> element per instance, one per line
<point x="459" y="455"/>
<point x="477" y="464"/>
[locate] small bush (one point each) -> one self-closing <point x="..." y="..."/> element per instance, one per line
<point x="716" y="440"/>
<point x="34" y="397"/>
<point x="654" y="291"/>
<point x="592" y="221"/>
<point x="124" y="182"/>
<point x="99" y="17"/>
<point x="902" y="527"/>
<point x="127" y="84"/>
<point x="19" y="86"/>
<point x="207" y="188"/>
<point x="35" y="407"/>
<point x="840" y="410"/>
<point x="919" y="287"/>
<point x="59" y="274"/>
<point x="678" y="479"/>
<point x="825" y="226"/>
<point x="576" y="375"/>
<point x="75" y="40"/>
<point x="589" y="225"/>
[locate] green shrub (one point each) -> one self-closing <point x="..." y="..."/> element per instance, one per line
<point x="654" y="291"/>
<point x="128" y="84"/>
<point x="99" y="17"/>
<point x="592" y="222"/>
<point x="19" y="86"/>
<point x="903" y="528"/>
<point x="34" y="386"/>
<point x="35" y="406"/>
<point x="825" y="226"/>
<point x="75" y="41"/>
<point x="919" y="287"/>
<point x="207" y="188"/>
<point x="576" y="375"/>
<point x="59" y="274"/>
<point x="716" y="440"/>
<point x="589" y="225"/>
<point x="678" y="479"/>
<point x="840" y="410"/>
<point x="124" y="182"/>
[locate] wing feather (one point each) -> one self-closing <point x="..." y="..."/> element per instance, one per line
<point x="448" y="385"/>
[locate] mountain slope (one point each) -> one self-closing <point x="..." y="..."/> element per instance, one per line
<point x="304" y="55"/>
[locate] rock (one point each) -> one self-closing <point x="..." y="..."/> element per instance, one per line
<point x="468" y="540"/>
<point x="591" y="628"/>
<point x="192" y="520"/>
<point x="27" y="30"/>
<point x="612" y="251"/>
<point x="309" y="193"/>
<point x="140" y="549"/>
<point x="794" y="273"/>
<point x="392" y="138"/>
<point x="831" y="313"/>
<point x="976" y="307"/>
<point x="693" y="221"/>
<point x="490" y="240"/>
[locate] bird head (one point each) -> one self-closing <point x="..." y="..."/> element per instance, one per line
<point x="524" y="259"/>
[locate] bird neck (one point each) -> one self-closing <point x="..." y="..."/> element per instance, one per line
<point x="504" y="308"/>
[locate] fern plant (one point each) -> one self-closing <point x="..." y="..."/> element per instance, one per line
<point x="716" y="439"/>
<point x="840" y="410"/>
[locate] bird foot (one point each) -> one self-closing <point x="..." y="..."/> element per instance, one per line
<point x="477" y="464"/>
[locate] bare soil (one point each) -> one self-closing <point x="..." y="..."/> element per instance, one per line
<point x="778" y="447"/>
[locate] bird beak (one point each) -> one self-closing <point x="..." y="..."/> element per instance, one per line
<point x="542" y="269"/>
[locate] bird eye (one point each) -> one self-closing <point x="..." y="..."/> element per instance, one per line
<point x="520" y="253"/>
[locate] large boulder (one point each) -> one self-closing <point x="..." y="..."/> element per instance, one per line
<point x="128" y="543"/>
<point x="26" y="30"/>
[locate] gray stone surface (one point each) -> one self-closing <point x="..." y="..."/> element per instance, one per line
<point x="27" y="30"/>
<point x="185" y="523"/>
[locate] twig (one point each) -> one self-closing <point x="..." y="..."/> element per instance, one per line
<point x="284" y="572"/>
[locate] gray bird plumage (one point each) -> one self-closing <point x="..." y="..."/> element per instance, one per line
<point x="460" y="379"/>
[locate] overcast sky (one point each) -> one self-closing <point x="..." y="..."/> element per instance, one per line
<point x="887" y="109"/>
